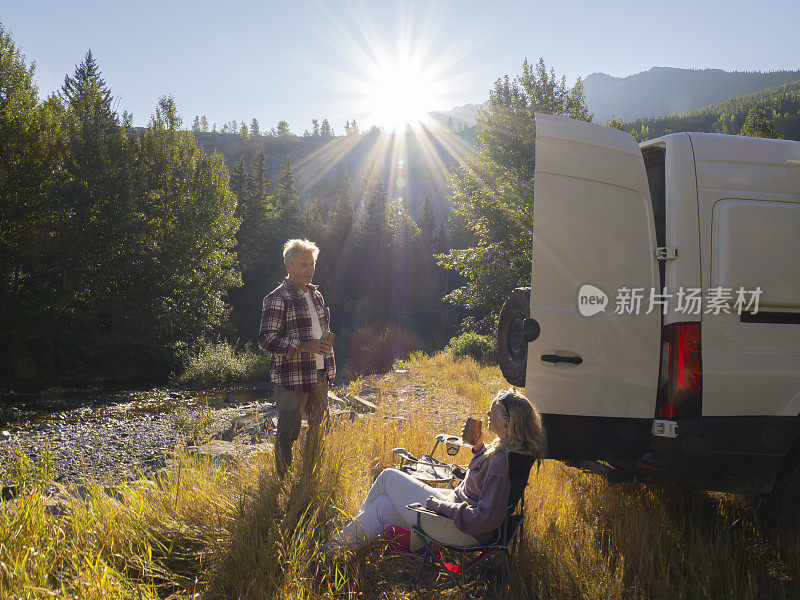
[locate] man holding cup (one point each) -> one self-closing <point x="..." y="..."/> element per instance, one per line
<point x="295" y="329"/>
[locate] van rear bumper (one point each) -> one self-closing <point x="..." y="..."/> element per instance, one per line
<point x="733" y="454"/>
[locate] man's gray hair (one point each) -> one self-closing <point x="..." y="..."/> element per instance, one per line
<point x="295" y="247"/>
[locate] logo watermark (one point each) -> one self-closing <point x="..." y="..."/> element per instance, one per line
<point x="687" y="301"/>
<point x="591" y="300"/>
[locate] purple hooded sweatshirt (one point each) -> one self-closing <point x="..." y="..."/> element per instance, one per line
<point x="478" y="505"/>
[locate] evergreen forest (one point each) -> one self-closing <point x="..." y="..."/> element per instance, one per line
<point x="774" y="112"/>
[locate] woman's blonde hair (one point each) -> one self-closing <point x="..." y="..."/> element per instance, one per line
<point x="524" y="432"/>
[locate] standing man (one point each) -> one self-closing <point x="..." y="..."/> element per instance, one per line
<point x="293" y="320"/>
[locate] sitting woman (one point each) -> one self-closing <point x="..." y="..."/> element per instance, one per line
<point x="472" y="512"/>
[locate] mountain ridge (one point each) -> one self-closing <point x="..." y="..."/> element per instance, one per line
<point x="660" y="90"/>
<point x="670" y="90"/>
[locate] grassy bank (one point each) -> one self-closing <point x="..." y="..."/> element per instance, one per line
<point x="239" y="532"/>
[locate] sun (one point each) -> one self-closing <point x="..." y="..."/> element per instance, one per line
<point x="399" y="94"/>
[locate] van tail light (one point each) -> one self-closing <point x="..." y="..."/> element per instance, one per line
<point x="680" y="393"/>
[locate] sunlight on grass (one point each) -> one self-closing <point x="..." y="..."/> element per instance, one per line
<point x="237" y="531"/>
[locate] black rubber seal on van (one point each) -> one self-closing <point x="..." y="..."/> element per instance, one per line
<point x="786" y="318"/>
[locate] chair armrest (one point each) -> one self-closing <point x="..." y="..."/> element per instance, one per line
<point x="403" y="453"/>
<point x="421" y="510"/>
<point x="418" y="508"/>
<point x="450" y="439"/>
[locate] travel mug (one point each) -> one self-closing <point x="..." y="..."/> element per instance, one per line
<point x="472" y="430"/>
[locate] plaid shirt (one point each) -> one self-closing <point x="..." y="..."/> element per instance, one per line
<point x="285" y="322"/>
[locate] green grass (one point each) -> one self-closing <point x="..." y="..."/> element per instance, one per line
<point x="222" y="363"/>
<point x="239" y="532"/>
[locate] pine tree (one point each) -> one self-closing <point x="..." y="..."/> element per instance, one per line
<point x="373" y="241"/>
<point x="258" y="175"/>
<point x="87" y="95"/>
<point x="616" y="123"/>
<point x="238" y="181"/>
<point x="95" y="163"/>
<point x="427" y="223"/>
<point x="429" y="285"/>
<point x="339" y="251"/>
<point x="243" y="131"/>
<point x="342" y="219"/>
<point x="406" y="288"/>
<point x="283" y="129"/>
<point x="756" y="124"/>
<point x="204" y="124"/>
<point x="257" y="238"/>
<point x="196" y="124"/>
<point x="287" y="199"/>
<point x="254" y="130"/>
<point x="314" y="127"/>
<point x="256" y="211"/>
<point x="325" y="130"/>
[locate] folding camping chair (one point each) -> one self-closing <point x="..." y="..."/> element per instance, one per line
<point x="431" y="470"/>
<point x="519" y="466"/>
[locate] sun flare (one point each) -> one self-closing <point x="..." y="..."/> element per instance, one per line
<point x="399" y="94"/>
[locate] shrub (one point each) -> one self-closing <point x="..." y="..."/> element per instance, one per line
<point x="194" y="423"/>
<point x="374" y="347"/>
<point x="482" y="348"/>
<point x="220" y="363"/>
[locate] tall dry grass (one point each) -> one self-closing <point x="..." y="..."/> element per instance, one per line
<point x="239" y="532"/>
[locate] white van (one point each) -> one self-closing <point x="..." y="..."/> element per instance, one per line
<point x="708" y="396"/>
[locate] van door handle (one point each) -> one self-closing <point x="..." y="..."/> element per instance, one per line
<point x="557" y="358"/>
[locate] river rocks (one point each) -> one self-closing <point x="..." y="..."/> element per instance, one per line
<point x="361" y="404"/>
<point x="9" y="415"/>
<point x="368" y="390"/>
<point x="255" y="425"/>
<point x="339" y="414"/>
<point x="335" y="402"/>
<point x="8" y="492"/>
<point x="226" y="452"/>
<point x="219" y="450"/>
<point x="96" y="448"/>
<point x="58" y="504"/>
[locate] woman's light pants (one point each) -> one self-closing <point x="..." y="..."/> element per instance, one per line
<point x="385" y="505"/>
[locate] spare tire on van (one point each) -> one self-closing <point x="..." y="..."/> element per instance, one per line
<point x="512" y="349"/>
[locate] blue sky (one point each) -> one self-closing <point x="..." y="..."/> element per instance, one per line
<point x="299" y="60"/>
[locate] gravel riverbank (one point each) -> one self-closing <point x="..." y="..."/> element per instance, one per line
<point x="115" y="435"/>
<point x="109" y="441"/>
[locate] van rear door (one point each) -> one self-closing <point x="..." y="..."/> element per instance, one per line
<point x="594" y="376"/>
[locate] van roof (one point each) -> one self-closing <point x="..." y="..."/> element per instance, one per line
<point x="735" y="162"/>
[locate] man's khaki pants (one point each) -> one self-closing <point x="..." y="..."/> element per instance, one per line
<point x="290" y="406"/>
